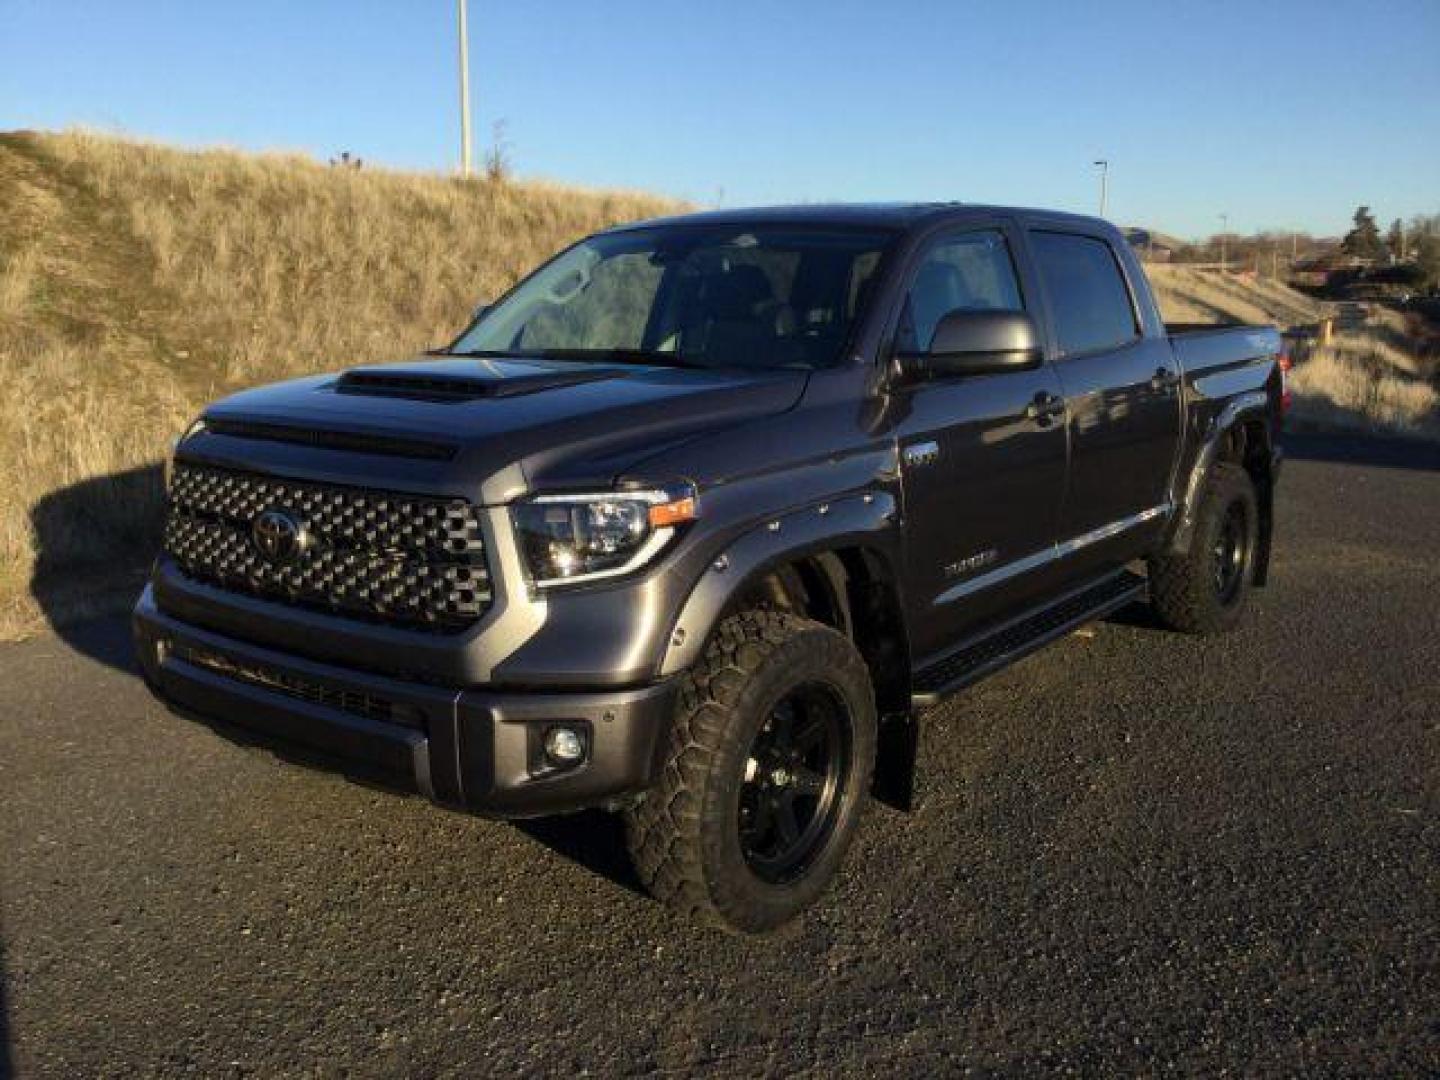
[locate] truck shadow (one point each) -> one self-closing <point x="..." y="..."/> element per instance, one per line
<point x="593" y="839"/>
<point x="7" y="1061"/>
<point x="93" y="542"/>
<point x="1139" y="615"/>
<point x="1394" y="453"/>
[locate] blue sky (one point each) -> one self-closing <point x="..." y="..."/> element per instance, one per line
<point x="1281" y="114"/>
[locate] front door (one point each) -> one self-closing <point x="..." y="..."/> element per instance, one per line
<point x="983" y="457"/>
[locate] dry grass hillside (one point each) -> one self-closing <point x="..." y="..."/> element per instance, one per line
<point x="138" y="282"/>
<point x="1187" y="295"/>
<point x="1379" y="378"/>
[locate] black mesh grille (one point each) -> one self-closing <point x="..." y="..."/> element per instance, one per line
<point x="371" y="554"/>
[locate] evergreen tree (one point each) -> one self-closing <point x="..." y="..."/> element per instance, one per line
<point x="1363" y="241"/>
<point x="1395" y="240"/>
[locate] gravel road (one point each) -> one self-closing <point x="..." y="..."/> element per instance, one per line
<point x="1136" y="852"/>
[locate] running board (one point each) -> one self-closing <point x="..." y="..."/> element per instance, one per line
<point x="1000" y="648"/>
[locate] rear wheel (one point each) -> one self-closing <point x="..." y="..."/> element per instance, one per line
<point x="1206" y="590"/>
<point x="769" y="760"/>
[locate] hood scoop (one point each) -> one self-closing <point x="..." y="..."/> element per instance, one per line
<point x="428" y="383"/>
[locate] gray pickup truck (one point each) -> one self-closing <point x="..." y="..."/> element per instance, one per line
<point x="695" y="521"/>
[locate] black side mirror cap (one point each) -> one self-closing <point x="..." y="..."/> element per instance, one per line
<point x="977" y="343"/>
<point x="480" y="311"/>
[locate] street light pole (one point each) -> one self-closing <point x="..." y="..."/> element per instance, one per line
<point x="1104" y="167"/>
<point x="464" y="93"/>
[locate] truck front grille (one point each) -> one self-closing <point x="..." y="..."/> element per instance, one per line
<point x="346" y="700"/>
<point x="377" y="555"/>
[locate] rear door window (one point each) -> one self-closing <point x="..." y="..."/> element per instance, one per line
<point x="1089" y="299"/>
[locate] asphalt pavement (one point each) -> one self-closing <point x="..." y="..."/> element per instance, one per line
<point x="1135" y="852"/>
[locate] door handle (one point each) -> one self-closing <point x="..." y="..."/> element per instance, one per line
<point x="1045" y="407"/>
<point x="1164" y="379"/>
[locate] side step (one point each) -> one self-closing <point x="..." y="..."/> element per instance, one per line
<point x="1002" y="647"/>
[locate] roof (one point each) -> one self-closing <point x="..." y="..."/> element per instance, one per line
<point x="858" y="215"/>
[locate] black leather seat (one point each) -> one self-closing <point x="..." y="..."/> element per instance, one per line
<point x="740" y="318"/>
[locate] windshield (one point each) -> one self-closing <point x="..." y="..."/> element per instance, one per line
<point x="708" y="296"/>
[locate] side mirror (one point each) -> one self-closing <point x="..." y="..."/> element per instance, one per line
<point x="481" y="310"/>
<point x="977" y="343"/>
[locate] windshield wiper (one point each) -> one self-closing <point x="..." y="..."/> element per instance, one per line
<point x="648" y="357"/>
<point x="477" y="354"/>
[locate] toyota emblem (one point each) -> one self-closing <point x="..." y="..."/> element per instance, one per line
<point x="278" y="536"/>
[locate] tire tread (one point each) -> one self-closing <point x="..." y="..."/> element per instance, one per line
<point x="664" y="830"/>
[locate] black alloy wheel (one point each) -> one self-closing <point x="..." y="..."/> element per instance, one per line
<point x="1231" y="553"/>
<point x="793" y="783"/>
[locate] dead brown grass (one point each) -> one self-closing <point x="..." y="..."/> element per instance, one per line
<point x="1375" y="379"/>
<point x="139" y="281"/>
<point x="1187" y="295"/>
<point x="1364" y="384"/>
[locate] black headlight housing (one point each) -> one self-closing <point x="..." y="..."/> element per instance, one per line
<point x="568" y="539"/>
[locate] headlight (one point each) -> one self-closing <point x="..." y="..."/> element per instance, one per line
<point x="196" y="426"/>
<point x="570" y="538"/>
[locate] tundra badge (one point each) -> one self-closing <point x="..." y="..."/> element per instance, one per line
<point x="922" y="453"/>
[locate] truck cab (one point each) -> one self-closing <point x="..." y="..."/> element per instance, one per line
<point x="696" y="521"/>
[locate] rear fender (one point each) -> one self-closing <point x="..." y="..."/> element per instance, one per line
<point x="1243" y="409"/>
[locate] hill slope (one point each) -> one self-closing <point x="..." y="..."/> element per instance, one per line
<point x="1187" y="295"/>
<point x="138" y="282"/>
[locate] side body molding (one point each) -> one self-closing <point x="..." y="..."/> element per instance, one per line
<point x="1254" y="401"/>
<point x="862" y="519"/>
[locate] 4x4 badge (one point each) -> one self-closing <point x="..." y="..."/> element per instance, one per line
<point x="278" y="536"/>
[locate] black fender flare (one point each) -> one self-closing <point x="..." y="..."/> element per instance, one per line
<point x="862" y="519"/>
<point x="1242" y="407"/>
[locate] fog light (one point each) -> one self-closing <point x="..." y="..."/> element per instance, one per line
<point x="564" y="746"/>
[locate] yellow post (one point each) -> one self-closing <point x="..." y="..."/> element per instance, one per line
<point x="1327" y="327"/>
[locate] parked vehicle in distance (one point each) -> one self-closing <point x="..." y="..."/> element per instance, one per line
<point x="695" y="521"/>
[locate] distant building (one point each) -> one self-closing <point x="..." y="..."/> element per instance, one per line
<point x="1148" y="246"/>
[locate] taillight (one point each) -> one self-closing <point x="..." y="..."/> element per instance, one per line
<point x="1284" y="363"/>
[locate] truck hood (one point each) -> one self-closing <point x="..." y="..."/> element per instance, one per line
<point x="563" y="423"/>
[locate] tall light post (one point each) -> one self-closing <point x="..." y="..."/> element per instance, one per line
<point x="1104" y="167"/>
<point x="464" y="93"/>
<point x="1224" y="239"/>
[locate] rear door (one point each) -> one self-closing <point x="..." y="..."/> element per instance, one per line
<point x="982" y="476"/>
<point x="1122" y="396"/>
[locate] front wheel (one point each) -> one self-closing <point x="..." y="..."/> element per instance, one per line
<point x="769" y="758"/>
<point x="1205" y="590"/>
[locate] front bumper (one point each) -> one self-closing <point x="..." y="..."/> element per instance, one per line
<point x="473" y="748"/>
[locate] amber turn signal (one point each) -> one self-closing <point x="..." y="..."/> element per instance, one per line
<point x="663" y="515"/>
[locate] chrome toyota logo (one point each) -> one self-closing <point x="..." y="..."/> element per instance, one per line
<point x="278" y="536"/>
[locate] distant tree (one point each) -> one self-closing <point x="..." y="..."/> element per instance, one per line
<point x="1363" y="241"/>
<point x="497" y="158"/>
<point x="1395" y="240"/>
<point x="1426" y="253"/>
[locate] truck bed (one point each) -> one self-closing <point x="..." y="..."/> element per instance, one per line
<point x="1206" y="346"/>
